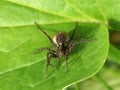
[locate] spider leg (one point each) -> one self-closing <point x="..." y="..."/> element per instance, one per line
<point x="41" y="49"/>
<point x="82" y="40"/>
<point x="66" y="58"/>
<point x="50" y="39"/>
<point x="71" y="45"/>
<point x="66" y="63"/>
<point x="80" y="37"/>
<point x="49" y="56"/>
<point x="72" y="36"/>
<point x="48" y="61"/>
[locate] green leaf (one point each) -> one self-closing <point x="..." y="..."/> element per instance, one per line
<point x="19" y="37"/>
<point x="107" y="79"/>
<point x="114" y="54"/>
<point x="28" y="71"/>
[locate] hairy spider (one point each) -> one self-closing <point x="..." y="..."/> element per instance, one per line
<point x="62" y="45"/>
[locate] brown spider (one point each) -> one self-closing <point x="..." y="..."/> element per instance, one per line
<point x="62" y="44"/>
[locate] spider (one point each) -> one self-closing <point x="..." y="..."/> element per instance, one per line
<point x="62" y="45"/>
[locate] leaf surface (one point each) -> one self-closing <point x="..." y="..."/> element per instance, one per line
<point x="19" y="37"/>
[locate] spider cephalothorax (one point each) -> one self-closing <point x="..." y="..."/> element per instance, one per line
<point x="60" y="39"/>
<point x="62" y="45"/>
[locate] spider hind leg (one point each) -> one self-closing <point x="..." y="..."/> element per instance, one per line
<point x="49" y="56"/>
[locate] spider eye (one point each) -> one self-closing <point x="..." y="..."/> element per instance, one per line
<point x="60" y="38"/>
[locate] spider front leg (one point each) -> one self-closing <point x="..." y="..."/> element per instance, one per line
<point x="50" y="39"/>
<point x="73" y="34"/>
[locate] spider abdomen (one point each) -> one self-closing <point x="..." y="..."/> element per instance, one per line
<point x="61" y="51"/>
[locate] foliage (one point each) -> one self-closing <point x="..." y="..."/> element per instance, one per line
<point x="19" y="37"/>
